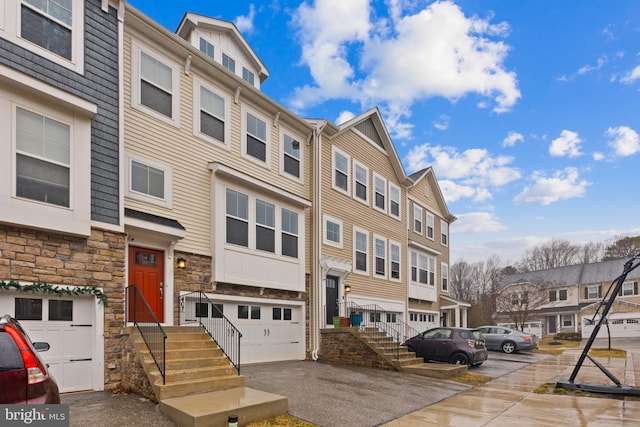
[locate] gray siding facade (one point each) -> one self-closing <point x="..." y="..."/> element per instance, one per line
<point x="100" y="85"/>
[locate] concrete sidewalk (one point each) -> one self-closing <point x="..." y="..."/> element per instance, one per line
<point x="510" y="400"/>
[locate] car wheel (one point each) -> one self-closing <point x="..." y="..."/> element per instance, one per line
<point x="459" y="359"/>
<point x="508" y="347"/>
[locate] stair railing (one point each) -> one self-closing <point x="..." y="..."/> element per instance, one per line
<point x="143" y="318"/>
<point x="196" y="307"/>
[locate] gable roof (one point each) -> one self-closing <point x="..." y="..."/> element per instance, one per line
<point x="426" y="173"/>
<point x="572" y="275"/>
<point x="191" y="21"/>
<point x="370" y="125"/>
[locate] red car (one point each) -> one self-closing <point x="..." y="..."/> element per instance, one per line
<point x="24" y="377"/>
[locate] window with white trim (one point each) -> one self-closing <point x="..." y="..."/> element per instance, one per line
<point x="394" y="260"/>
<point x="394" y="200"/>
<point x="332" y="232"/>
<point x="380" y="254"/>
<point x="417" y="219"/>
<point x="237" y="218"/>
<point x="562" y="295"/>
<point x="289" y="233"/>
<point x="629" y="289"/>
<point x="360" y="251"/>
<point x="567" y="320"/>
<point x="423" y="269"/>
<point x="256" y="142"/>
<point x="212" y="115"/>
<point x="155" y="85"/>
<point x="430" y="225"/>
<point x="592" y="292"/>
<point x="206" y="47"/>
<point x="444" y="232"/>
<point x="265" y="226"/>
<point x="248" y="76"/>
<point x="148" y="180"/>
<point x="291" y="156"/>
<point x="380" y="192"/>
<point x="228" y="63"/>
<point x="43" y="158"/>
<point x="360" y="182"/>
<point x="444" y="272"/>
<point x="340" y="177"/>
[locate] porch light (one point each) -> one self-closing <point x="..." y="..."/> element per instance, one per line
<point x="182" y="263"/>
<point x="347" y="289"/>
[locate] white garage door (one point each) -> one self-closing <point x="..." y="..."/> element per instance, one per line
<point x="67" y="325"/>
<point x="618" y="328"/>
<point x="270" y="332"/>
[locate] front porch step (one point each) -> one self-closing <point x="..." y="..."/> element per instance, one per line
<point x="212" y="372"/>
<point x="214" y="408"/>
<point x="435" y="370"/>
<point x="189" y="387"/>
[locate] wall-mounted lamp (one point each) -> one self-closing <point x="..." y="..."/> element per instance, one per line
<point x="182" y="263"/>
<point x="347" y="289"/>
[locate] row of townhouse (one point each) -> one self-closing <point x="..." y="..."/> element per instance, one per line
<point x="136" y="156"/>
<point x="568" y="299"/>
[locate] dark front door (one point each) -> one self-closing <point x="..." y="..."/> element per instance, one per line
<point x="331" y="292"/>
<point x="146" y="271"/>
<point x="552" y="325"/>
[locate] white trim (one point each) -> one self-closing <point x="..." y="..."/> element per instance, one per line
<point x="281" y="153"/>
<point x="392" y="186"/>
<point x="444" y="225"/>
<point x="137" y="48"/>
<point x="431" y="216"/>
<point x="357" y="164"/>
<point x="394" y="243"/>
<point x="424" y="248"/>
<point x="325" y="240"/>
<point x="375" y="256"/>
<point x="444" y="266"/>
<point x="197" y="83"/>
<point x="334" y="151"/>
<point x="168" y="181"/>
<point x="413" y="220"/>
<point x="243" y="139"/>
<point x="376" y="177"/>
<point x="366" y="272"/>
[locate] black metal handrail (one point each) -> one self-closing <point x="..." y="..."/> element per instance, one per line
<point x="196" y="307"/>
<point x="395" y="331"/>
<point x="140" y="313"/>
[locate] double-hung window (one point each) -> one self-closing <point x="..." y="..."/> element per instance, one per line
<point x="265" y="226"/>
<point x="43" y="153"/>
<point x="380" y="248"/>
<point x="394" y="201"/>
<point x="444" y="272"/>
<point x="394" y="260"/>
<point x="361" y="182"/>
<point x="417" y="219"/>
<point x="562" y="295"/>
<point x="444" y="232"/>
<point x="430" y="225"/>
<point x="248" y="76"/>
<point x="380" y="189"/>
<point x="48" y="24"/>
<point x="592" y="292"/>
<point x="156" y="85"/>
<point x="361" y="250"/>
<point x="291" y="156"/>
<point x="419" y="268"/>
<point x="212" y="114"/>
<point x="256" y="143"/>
<point x="332" y="232"/>
<point x="340" y="170"/>
<point x="237" y="218"/>
<point x="629" y="289"/>
<point x="289" y="233"/>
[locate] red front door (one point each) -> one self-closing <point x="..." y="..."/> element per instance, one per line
<point x="146" y="271"/>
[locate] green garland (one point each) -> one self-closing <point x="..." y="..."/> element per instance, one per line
<point x="45" y="288"/>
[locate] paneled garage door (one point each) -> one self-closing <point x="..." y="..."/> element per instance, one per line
<point x="619" y="328"/>
<point x="67" y="325"/>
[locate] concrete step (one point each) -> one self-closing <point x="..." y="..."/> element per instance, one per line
<point x="191" y="374"/>
<point x="196" y="386"/>
<point x="201" y="362"/>
<point x="408" y="362"/>
<point x="214" y="408"/>
<point x="435" y="370"/>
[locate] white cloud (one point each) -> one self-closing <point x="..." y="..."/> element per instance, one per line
<point x="624" y="140"/>
<point x="476" y="222"/>
<point x="598" y="156"/>
<point x="245" y="23"/>
<point x="631" y="76"/>
<point x="512" y="138"/>
<point x="562" y="185"/>
<point x="469" y="174"/>
<point x="567" y="144"/>
<point x="599" y="64"/>
<point x="393" y="61"/>
<point x="344" y="117"/>
<point x="442" y="123"/>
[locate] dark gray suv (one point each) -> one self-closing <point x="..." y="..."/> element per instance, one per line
<point x="460" y="346"/>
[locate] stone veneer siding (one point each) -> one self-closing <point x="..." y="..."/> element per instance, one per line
<point x="342" y="346"/>
<point x="36" y="256"/>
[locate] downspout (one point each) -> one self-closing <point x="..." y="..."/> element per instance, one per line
<point x="317" y="271"/>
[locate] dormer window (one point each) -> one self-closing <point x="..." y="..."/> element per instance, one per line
<point x="206" y="47"/>
<point x="228" y="63"/>
<point x="247" y="76"/>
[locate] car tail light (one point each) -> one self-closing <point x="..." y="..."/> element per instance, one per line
<point x="472" y="343"/>
<point x="527" y="338"/>
<point x="36" y="373"/>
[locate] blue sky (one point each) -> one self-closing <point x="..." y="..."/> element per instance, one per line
<point x="528" y="111"/>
